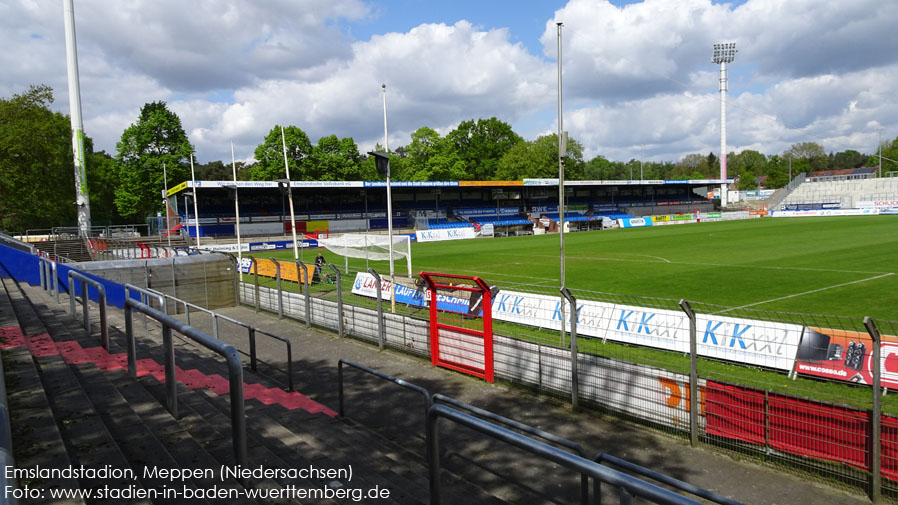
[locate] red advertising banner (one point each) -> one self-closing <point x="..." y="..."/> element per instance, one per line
<point x="799" y="426"/>
<point x="846" y="355"/>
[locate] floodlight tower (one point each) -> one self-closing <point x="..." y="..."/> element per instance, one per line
<point x="723" y="54"/>
<point x="82" y="199"/>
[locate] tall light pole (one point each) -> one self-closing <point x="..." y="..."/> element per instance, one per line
<point x="290" y="196"/>
<point x="389" y="203"/>
<point x="562" y="151"/>
<point x="82" y="199"/>
<point x="196" y="212"/>
<point x="236" y="210"/>
<point x="723" y="54"/>
<point x="165" y="204"/>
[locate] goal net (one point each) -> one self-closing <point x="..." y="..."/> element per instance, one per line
<point x="370" y="247"/>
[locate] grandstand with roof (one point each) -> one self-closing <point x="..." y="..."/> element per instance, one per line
<point x="506" y="207"/>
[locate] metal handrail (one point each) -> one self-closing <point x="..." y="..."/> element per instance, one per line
<point x="530" y="430"/>
<point x="6" y="453"/>
<point x="399" y="382"/>
<point x="660" y="477"/>
<point x="251" y="331"/>
<point x="49" y="276"/>
<point x="147" y="293"/>
<point x="627" y="485"/>
<point x="101" y="301"/>
<point x="252" y="341"/>
<point x="235" y="368"/>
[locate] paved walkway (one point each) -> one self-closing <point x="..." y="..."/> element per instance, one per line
<point x="398" y="414"/>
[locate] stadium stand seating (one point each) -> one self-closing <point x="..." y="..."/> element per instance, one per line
<point x="80" y="407"/>
<point x="847" y="193"/>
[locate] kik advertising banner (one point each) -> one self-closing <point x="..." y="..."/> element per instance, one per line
<point x="760" y="343"/>
<point x="847" y="356"/>
<point x="445" y="234"/>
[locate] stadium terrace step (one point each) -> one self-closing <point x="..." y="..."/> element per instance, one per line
<point x="286" y="430"/>
<point x="85" y="439"/>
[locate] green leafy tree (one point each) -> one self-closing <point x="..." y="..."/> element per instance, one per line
<point x="337" y="159"/>
<point x="212" y="171"/>
<point x="599" y="169"/>
<point x="156" y="138"/>
<point x="480" y="145"/>
<point x="846" y="159"/>
<point x="270" y="156"/>
<point x="747" y="180"/>
<point x="889" y="157"/>
<point x="539" y="159"/>
<point x="811" y="152"/>
<point x="37" y="177"/>
<point x="102" y="180"/>
<point x="692" y="166"/>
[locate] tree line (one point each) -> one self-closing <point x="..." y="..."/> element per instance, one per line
<point x="37" y="175"/>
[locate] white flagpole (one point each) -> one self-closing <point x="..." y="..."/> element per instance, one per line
<point x="290" y="197"/>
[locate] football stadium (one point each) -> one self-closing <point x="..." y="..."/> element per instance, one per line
<point x="468" y="329"/>
<point x="759" y="333"/>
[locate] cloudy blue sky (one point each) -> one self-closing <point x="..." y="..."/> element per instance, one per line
<point x="638" y="81"/>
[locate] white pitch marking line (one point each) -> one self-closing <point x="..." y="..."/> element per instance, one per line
<point x="767" y="267"/>
<point x="809" y="292"/>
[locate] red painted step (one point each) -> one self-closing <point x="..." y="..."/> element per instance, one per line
<point x="72" y="352"/>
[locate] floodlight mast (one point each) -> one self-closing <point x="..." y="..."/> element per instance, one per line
<point x="723" y="54"/>
<point x="82" y="199"/>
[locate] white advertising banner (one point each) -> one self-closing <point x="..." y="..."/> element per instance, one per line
<point x="365" y="285"/>
<point x="877" y="204"/>
<point x="445" y="234"/>
<point x="824" y="212"/>
<point x="760" y="343"/>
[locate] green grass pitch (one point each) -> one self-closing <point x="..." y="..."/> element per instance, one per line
<point x="833" y="265"/>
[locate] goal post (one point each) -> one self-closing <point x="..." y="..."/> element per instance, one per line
<point x="370" y="247"/>
<point x="461" y="323"/>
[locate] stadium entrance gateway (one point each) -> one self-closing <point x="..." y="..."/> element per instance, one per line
<point x="461" y="323"/>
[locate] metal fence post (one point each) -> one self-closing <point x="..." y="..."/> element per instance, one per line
<point x="339" y="299"/>
<point x="55" y="280"/>
<point x="131" y="350"/>
<point x="255" y="265"/>
<point x="277" y="276"/>
<point x="876" y="428"/>
<point x="252" y="348"/>
<point x="575" y="376"/>
<point x="171" y="385"/>
<point x="693" y="374"/>
<point x="85" y="307"/>
<point x="308" y="301"/>
<point x="174" y="282"/>
<point x="380" y="309"/>
<point x="215" y="325"/>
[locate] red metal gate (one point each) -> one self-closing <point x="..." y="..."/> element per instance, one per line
<point x="461" y="324"/>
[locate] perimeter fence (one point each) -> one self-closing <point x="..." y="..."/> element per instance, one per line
<point x="803" y="391"/>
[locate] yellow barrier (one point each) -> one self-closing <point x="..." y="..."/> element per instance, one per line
<point x="289" y="270"/>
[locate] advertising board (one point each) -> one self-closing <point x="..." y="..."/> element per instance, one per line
<point x="753" y="342"/>
<point x="445" y="234"/>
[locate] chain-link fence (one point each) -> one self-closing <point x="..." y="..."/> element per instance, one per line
<point x="805" y="391"/>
